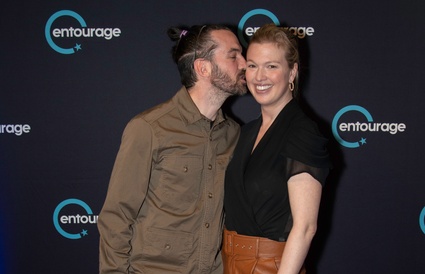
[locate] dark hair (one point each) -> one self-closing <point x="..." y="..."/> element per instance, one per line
<point x="284" y="39"/>
<point x="192" y="43"/>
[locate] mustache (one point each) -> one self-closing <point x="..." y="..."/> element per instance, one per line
<point x="242" y="73"/>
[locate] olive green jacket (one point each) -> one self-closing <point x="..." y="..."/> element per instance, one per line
<point x="164" y="208"/>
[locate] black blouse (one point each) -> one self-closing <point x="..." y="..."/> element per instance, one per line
<point x="256" y="193"/>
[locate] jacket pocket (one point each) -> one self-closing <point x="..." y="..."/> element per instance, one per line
<point x="179" y="184"/>
<point x="167" y="247"/>
<point x="221" y="166"/>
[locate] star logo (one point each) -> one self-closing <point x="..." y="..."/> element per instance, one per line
<point x="77" y="47"/>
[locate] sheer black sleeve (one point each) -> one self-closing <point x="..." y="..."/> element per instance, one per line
<point x="306" y="151"/>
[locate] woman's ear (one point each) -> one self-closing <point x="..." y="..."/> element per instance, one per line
<point x="293" y="73"/>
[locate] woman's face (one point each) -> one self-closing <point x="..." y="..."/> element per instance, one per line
<point x="268" y="74"/>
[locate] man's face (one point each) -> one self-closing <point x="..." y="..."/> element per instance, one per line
<point x="228" y="64"/>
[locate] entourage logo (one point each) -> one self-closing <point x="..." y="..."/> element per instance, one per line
<point x="422" y="220"/>
<point x="18" y="130"/>
<point x="75" y="32"/>
<point x="360" y="127"/>
<point x="73" y="221"/>
<point x="247" y="31"/>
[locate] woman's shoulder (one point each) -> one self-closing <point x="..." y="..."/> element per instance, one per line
<point x="304" y="141"/>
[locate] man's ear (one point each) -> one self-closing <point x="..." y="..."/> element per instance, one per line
<point x="202" y="67"/>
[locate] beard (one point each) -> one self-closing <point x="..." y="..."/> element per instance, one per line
<point x="222" y="81"/>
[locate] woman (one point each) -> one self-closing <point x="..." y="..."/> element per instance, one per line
<point x="274" y="182"/>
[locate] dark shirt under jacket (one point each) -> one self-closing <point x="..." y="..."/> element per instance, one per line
<point x="256" y="192"/>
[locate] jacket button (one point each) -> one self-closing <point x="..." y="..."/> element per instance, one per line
<point x="209" y="167"/>
<point x="207" y="225"/>
<point x="167" y="246"/>
<point x="210" y="195"/>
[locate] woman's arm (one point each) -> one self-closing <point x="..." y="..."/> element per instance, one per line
<point x="304" y="199"/>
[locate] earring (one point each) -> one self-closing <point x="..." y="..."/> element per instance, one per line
<point x="291" y="86"/>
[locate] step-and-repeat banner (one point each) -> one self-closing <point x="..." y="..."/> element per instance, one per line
<point x="74" y="72"/>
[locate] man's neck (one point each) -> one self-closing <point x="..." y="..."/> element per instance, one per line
<point x="207" y="101"/>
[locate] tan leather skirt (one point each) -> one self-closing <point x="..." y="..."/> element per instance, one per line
<point x="251" y="255"/>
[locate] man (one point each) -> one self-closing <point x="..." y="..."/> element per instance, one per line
<point x="164" y="208"/>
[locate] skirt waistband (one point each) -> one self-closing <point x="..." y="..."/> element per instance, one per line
<point x="234" y="243"/>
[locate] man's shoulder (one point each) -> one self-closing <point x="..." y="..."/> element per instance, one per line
<point x="156" y="112"/>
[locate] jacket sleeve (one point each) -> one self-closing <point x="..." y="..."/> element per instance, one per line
<point x="126" y="193"/>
